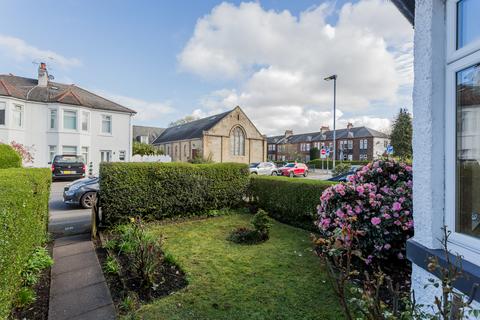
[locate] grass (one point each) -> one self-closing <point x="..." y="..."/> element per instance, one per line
<point x="278" y="279"/>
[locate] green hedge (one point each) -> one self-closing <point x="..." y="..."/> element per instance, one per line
<point x="24" y="216"/>
<point x="318" y="163"/>
<point x="9" y="158"/>
<point x="164" y="190"/>
<point x="290" y="200"/>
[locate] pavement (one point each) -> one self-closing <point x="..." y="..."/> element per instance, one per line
<point x="66" y="219"/>
<point x="78" y="289"/>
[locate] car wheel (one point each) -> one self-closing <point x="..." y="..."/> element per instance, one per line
<point x="88" y="199"/>
<point x="305" y="174"/>
<point x="274" y="173"/>
<point x="291" y="175"/>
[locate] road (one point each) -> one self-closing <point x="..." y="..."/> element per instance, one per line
<point x="65" y="219"/>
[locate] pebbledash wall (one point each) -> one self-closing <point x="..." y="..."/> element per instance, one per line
<point x="429" y="161"/>
<point x="35" y="131"/>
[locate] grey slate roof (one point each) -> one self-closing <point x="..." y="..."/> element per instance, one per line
<point x="152" y="132"/>
<point x="355" y="132"/>
<point x="190" y="130"/>
<point x="27" y="89"/>
<point x="407" y="8"/>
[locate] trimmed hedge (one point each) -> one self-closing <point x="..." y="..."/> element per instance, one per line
<point x="9" y="158"/>
<point x="318" y="163"/>
<point x="24" y="216"/>
<point x="157" y="191"/>
<point x="289" y="200"/>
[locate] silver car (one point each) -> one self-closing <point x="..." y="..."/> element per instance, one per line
<point x="264" y="168"/>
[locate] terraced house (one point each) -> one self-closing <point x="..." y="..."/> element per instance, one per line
<point x="54" y="118"/>
<point x="225" y="137"/>
<point x="352" y="143"/>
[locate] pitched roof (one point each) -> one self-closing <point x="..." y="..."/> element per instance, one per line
<point x="355" y="132"/>
<point x="27" y="89"/>
<point x="407" y="8"/>
<point x="152" y="132"/>
<point x="190" y="130"/>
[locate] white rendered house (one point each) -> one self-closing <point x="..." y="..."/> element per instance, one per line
<point x="446" y="137"/>
<point x="54" y="118"/>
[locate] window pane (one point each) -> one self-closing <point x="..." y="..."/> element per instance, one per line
<point x="70" y="120"/>
<point x="70" y="150"/>
<point x="53" y="118"/>
<point x="468" y="27"/>
<point x="18" y="116"/>
<point x="106" y="124"/>
<point x="468" y="151"/>
<point x="85" y="119"/>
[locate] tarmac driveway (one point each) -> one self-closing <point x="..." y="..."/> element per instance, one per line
<point x="66" y="219"/>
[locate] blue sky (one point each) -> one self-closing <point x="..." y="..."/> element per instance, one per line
<point x="129" y="51"/>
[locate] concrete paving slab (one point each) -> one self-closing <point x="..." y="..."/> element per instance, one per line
<point x="72" y="249"/>
<point x="65" y="241"/>
<point x="104" y="313"/>
<point x="72" y="280"/>
<point x="79" y="301"/>
<point x="75" y="262"/>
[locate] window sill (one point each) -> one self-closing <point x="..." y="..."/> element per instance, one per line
<point x="419" y="255"/>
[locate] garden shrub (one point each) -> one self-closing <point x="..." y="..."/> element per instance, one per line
<point x="317" y="163"/>
<point x="260" y="232"/>
<point x="341" y="168"/>
<point x="289" y="200"/>
<point x="9" y="158"/>
<point x="24" y="215"/>
<point x="376" y="206"/>
<point x="166" y="190"/>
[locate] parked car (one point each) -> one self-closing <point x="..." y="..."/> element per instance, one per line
<point x="82" y="192"/>
<point x="345" y="176"/>
<point x="68" y="166"/>
<point x="264" y="168"/>
<point x="294" y="169"/>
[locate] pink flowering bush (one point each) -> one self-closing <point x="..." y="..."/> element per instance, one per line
<point x="24" y="152"/>
<point x="376" y="206"/>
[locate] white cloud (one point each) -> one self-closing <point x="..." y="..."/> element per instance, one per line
<point x="148" y="112"/>
<point x="279" y="61"/>
<point x="19" y="50"/>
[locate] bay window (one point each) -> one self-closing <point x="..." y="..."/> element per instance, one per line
<point x="462" y="126"/>
<point x="70" y="120"/>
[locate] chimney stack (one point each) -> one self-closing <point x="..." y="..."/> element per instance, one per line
<point x="324" y="129"/>
<point x="288" y="133"/>
<point x="42" y="75"/>
<point x="349" y="125"/>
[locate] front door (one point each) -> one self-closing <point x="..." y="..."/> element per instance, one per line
<point x="105" y="155"/>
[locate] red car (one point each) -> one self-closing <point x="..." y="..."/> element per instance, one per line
<point x="294" y="169"/>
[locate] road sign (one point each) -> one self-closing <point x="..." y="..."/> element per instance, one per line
<point x="323" y="152"/>
<point x="390" y="149"/>
<point x="328" y="152"/>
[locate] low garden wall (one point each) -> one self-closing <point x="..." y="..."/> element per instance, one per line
<point x="24" y="216"/>
<point x="289" y="200"/>
<point x="163" y="190"/>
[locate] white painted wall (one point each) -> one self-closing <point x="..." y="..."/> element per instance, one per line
<point x="36" y="132"/>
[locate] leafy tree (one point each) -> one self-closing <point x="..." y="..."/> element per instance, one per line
<point x="145" y="149"/>
<point x="401" y="136"/>
<point x="314" y="153"/>
<point x="186" y="119"/>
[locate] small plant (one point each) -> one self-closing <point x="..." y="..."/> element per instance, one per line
<point x="260" y="233"/>
<point x="111" y="265"/>
<point x="25" y="297"/>
<point x="129" y="303"/>
<point x="38" y="261"/>
<point x="341" y="168"/>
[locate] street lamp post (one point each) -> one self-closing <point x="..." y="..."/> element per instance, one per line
<point x="334" y="78"/>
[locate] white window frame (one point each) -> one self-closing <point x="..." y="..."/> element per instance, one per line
<point x="55" y="122"/>
<point x="76" y="119"/>
<point x="63" y="149"/>
<point x="3" y="106"/>
<point x="122" y="153"/>
<point x="87" y="114"/>
<point x="84" y="150"/>
<point x="143" y="139"/>
<point x="457" y="60"/>
<point x="52" y="148"/>
<point x="22" y="116"/>
<point x="111" y="124"/>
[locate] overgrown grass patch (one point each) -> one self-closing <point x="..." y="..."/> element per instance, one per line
<point x="278" y="279"/>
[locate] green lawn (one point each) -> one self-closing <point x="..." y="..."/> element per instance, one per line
<point x="279" y="279"/>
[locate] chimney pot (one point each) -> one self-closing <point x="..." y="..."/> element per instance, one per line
<point x="288" y="133"/>
<point x="42" y="75"/>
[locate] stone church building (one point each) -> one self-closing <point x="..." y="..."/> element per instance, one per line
<point x="225" y="137"/>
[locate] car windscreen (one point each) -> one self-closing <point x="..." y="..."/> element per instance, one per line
<point x="68" y="159"/>
<point x="290" y="165"/>
<point x="254" y="165"/>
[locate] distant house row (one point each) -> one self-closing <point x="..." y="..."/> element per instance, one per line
<point x="352" y="143"/>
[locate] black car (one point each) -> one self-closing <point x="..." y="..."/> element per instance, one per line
<point x="82" y="192"/>
<point x="68" y="166"/>
<point x="344" y="177"/>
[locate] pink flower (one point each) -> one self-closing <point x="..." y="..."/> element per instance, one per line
<point x="398" y="223"/>
<point x="340" y="214"/>
<point x="375" y="221"/>
<point x="387" y="246"/>
<point x="393" y="177"/>
<point x="360" y="190"/>
<point x="387" y="216"/>
<point x="379" y="170"/>
<point x="325" y="223"/>
<point x="357" y="209"/>
<point x="340" y="188"/>
<point x="397" y="206"/>
<point x="400" y="256"/>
